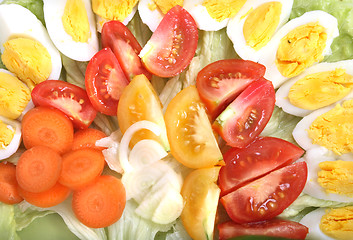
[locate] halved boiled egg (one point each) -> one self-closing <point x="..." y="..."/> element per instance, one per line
<point x="297" y="45"/>
<point x="153" y="11"/>
<point x="212" y="15"/>
<point x="27" y="50"/>
<point x="318" y="86"/>
<point x="255" y="24"/>
<point x="10" y="137"/>
<point x="329" y="224"/>
<point x="72" y="28"/>
<point x="107" y="10"/>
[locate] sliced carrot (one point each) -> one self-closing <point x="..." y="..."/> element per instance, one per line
<point x="47" y="127"/>
<point x="101" y="203"/>
<point x="48" y="198"/>
<point x="81" y="167"/>
<point x="8" y="184"/>
<point x="87" y="138"/>
<point x="38" y="169"/>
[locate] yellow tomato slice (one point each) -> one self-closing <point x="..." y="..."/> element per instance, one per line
<point x="201" y="194"/>
<point x="139" y="101"/>
<point x="192" y="140"/>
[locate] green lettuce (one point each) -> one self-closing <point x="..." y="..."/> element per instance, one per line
<point x="7" y="222"/>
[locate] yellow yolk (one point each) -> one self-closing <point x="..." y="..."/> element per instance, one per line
<point x="261" y="24"/>
<point x="14" y="96"/>
<point x="320" y="89"/>
<point x="220" y="10"/>
<point x="6" y="135"/>
<point x="301" y="48"/>
<point x="338" y="223"/>
<point x="75" y="20"/>
<point x="336" y="177"/>
<point x="113" y="9"/>
<point x="334" y="129"/>
<point x="28" y="59"/>
<point x="166" y="5"/>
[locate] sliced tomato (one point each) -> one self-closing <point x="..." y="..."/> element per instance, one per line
<point x="189" y="131"/>
<point x="172" y="46"/>
<point x="220" y="82"/>
<point x="271" y="228"/>
<point x="68" y="98"/>
<point x="126" y="48"/>
<point x="245" y="118"/>
<point x="266" y="197"/>
<point x="258" y="158"/>
<point x="105" y="81"/>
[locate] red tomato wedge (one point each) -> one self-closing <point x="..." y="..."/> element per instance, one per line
<point x="266" y="197"/>
<point x="68" y="98"/>
<point x="105" y="81"/>
<point x="260" y="157"/>
<point x="245" y="118"/>
<point x="271" y="228"/>
<point x="220" y="82"/>
<point x="172" y="46"/>
<point x="126" y="48"/>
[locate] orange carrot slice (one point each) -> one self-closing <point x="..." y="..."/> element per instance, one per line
<point x="38" y="169"/>
<point x="101" y="203"/>
<point x="87" y="138"/>
<point x="8" y="184"/>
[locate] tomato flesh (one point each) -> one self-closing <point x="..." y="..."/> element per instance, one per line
<point x="105" y="81"/>
<point x="220" y="82"/>
<point x="126" y="48"/>
<point x="172" y="46"/>
<point x="245" y="118"/>
<point x="260" y="157"/>
<point x="68" y="98"/>
<point x="271" y="228"/>
<point x="268" y="196"/>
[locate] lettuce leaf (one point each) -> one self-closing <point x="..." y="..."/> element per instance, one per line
<point x="7" y="222"/>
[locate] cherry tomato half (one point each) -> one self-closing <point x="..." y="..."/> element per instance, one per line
<point x="126" y="48"/>
<point x="245" y="118"/>
<point x="260" y="157"/>
<point x="220" y="82"/>
<point x="268" y="196"/>
<point x="172" y="46"/>
<point x="68" y="98"/>
<point x="105" y="81"/>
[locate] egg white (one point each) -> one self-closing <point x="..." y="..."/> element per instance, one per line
<point x="268" y="57"/>
<point x="282" y="99"/>
<point x="17" y="21"/>
<point x="79" y="51"/>
<point x="16" y="140"/>
<point x="312" y="221"/>
<point x="236" y="25"/>
<point x="151" y="18"/>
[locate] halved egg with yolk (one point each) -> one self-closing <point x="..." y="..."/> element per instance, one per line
<point x="10" y="137"/>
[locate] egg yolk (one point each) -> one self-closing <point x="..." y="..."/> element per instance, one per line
<point x="165" y="5"/>
<point x="28" y="59"/>
<point x="334" y="129"/>
<point x="320" y="89"/>
<point x="261" y="23"/>
<point x="338" y="223"/>
<point x="113" y="9"/>
<point x="75" y="20"/>
<point x="300" y="48"/>
<point x="6" y="136"/>
<point x="14" y="96"/>
<point x="336" y="177"/>
<point x="220" y="10"/>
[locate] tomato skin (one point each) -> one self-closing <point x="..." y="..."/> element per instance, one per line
<point x="245" y="118"/>
<point x="271" y="228"/>
<point x="268" y="196"/>
<point x="220" y="82"/>
<point x="258" y="158"/>
<point x="173" y="45"/>
<point x="105" y="81"/>
<point x="68" y="98"/>
<point x="126" y="48"/>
